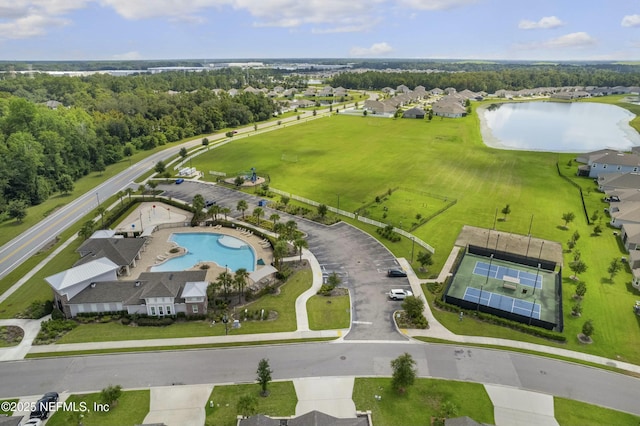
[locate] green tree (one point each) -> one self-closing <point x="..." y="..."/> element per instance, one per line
<point x="404" y="372"/>
<point x="425" y="258"/>
<point x="213" y="211"/>
<point x="280" y="250"/>
<point x="111" y="394"/>
<point x="99" y="166"/>
<point x="576" y="309"/>
<point x="198" y="205"/>
<point x="575" y="237"/>
<point x="413" y="306"/>
<point x="595" y="216"/>
<point x="578" y="267"/>
<point x="240" y="281"/>
<point x="205" y="142"/>
<point x="65" y="184"/>
<point x="101" y="210"/>
<point x="120" y="195"/>
<point x="87" y="229"/>
<point x="299" y="244"/>
<point x="258" y="212"/>
<point x="505" y="211"/>
<point x="241" y="207"/>
<point x="183" y="152"/>
<point x="247" y="406"/>
<point x="568" y="217"/>
<point x="159" y="167"/>
<point x="322" y="210"/>
<point x="581" y="289"/>
<point x="597" y="230"/>
<point x="285" y="200"/>
<point x="614" y="267"/>
<point x="129" y="192"/>
<point x="264" y="376"/>
<point x="274" y="218"/>
<point x="238" y="181"/>
<point x="225" y="211"/>
<point x="224" y="281"/>
<point x="17" y="210"/>
<point x="587" y="328"/>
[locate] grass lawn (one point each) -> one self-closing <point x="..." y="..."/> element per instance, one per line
<point x="422" y="401"/>
<point x="574" y="413"/>
<point x="447" y="157"/>
<point x="283" y="303"/>
<point x="131" y="409"/>
<point x="281" y="401"/>
<point x="329" y="312"/>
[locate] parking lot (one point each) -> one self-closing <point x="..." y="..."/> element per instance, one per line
<point x="359" y="259"/>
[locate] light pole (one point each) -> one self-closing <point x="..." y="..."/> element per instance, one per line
<point x="532" y="306"/>
<point x="536" y="283"/>
<point x="413" y="244"/>
<point x="485" y="282"/>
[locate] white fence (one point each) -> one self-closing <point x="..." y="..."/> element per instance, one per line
<point x="354" y="216"/>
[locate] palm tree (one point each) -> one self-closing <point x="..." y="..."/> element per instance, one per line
<point x="242" y="206"/>
<point x="258" y="212"/>
<point x="223" y="281"/>
<point x="240" y="281"/>
<point x="101" y="210"/>
<point x="274" y="218"/>
<point x="129" y="191"/>
<point x="225" y="211"/>
<point x="120" y="195"/>
<point x="87" y="229"/>
<point x="290" y="229"/>
<point x="280" y="250"/>
<point x="299" y="244"/>
<point x="213" y="211"/>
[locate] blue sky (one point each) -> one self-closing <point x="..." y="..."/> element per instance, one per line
<point x="219" y="29"/>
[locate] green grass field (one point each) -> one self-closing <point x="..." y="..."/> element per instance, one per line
<point x="421" y="402"/>
<point x="131" y="409"/>
<point x="362" y="157"/>
<point x="574" y="413"/>
<point x="281" y="402"/>
<point x="329" y="312"/>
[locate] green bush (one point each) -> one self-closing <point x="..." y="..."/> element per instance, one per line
<point x="57" y="314"/>
<point x="388" y="233"/>
<point x="52" y="330"/>
<point x="154" y="322"/>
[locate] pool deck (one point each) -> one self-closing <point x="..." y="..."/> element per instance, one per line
<point x="158" y="248"/>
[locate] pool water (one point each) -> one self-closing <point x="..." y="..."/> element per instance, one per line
<point x="207" y="247"/>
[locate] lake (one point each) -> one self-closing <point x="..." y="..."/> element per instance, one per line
<point x="557" y="126"/>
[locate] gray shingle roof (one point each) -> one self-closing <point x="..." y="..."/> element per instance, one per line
<point x="121" y="251"/>
<point x="126" y="292"/>
<point x="168" y="284"/>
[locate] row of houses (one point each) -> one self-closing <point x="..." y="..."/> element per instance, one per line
<point x="567" y="92"/>
<point x="92" y="285"/>
<point x="618" y="177"/>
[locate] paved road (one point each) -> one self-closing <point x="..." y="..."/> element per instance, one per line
<point x="359" y="259"/>
<point x="237" y="365"/>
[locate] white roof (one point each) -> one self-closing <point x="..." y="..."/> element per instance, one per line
<point x="104" y="233"/>
<point x="266" y="270"/>
<point x="81" y="273"/>
<point x="195" y="289"/>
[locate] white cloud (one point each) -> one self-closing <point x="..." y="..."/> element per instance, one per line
<point x="435" y="4"/>
<point x="546" y="22"/>
<point x="30" y="18"/>
<point x="573" y="40"/>
<point x="631" y="21"/>
<point x="376" y="49"/>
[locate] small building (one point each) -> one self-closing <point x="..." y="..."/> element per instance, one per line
<point x="448" y="109"/>
<point x="122" y="251"/>
<point x="414" y="113"/>
<point x="610" y="161"/>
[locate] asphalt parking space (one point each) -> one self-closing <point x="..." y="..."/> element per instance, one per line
<point x="357" y="257"/>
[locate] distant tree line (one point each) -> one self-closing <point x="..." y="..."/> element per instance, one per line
<point x="102" y="120"/>
<point x="514" y="78"/>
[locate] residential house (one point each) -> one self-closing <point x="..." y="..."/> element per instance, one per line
<point x="414" y="113"/>
<point x="402" y="89"/>
<point x="634" y="264"/>
<point x="312" y="418"/>
<point x="610" y="161"/>
<point x="622" y="213"/>
<point x="618" y="181"/>
<point x="436" y="91"/>
<point x="380" y="107"/>
<point x="450" y="90"/>
<point x="447" y="108"/>
<point x="630" y="235"/>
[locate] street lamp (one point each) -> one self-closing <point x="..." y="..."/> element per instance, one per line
<point x="485" y="283"/>
<point x="532" y="306"/>
<point x="535" y="284"/>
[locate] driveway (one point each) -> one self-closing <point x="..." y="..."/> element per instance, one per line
<point x="359" y="259"/>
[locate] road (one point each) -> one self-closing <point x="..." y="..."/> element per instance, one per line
<point x="16" y="251"/>
<point x="238" y="365"/>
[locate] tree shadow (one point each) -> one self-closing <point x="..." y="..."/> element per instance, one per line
<point x="562" y="227"/>
<point x="606" y="280"/>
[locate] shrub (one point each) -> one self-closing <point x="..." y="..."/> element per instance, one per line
<point x="388" y="233"/>
<point x="57" y="314"/>
<point x="154" y="322"/>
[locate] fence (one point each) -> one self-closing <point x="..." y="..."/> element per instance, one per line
<point x="214" y="173"/>
<point x="354" y="216"/>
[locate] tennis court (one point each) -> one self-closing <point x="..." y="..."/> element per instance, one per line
<point x="502" y="302"/>
<point x="508" y="274"/>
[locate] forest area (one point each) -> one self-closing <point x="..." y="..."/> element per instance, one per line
<point x="100" y="119"/>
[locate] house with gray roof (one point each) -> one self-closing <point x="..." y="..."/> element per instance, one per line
<point x="312" y="418"/>
<point x="94" y="288"/>
<point x="622" y="213"/>
<point x="124" y="252"/>
<point x="610" y="161"/>
<point x="630" y="235"/>
<point x="380" y="107"/>
<point x="414" y="113"/>
<point x="617" y="181"/>
<point x="448" y="109"/>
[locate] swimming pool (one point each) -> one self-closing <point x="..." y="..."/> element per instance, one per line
<point x="207" y="247"/>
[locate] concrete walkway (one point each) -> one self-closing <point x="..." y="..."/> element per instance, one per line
<point x="331" y="395"/>
<point x="178" y="405"/>
<point x="515" y="407"/>
<point x="31" y="329"/>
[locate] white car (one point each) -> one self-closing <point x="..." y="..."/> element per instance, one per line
<point x="399" y="294"/>
<point x="33" y="422"/>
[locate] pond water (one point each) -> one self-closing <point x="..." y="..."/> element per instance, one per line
<point x="557" y="126"/>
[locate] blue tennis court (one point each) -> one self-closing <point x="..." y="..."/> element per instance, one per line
<point x="500" y="272"/>
<point x="504" y="303"/>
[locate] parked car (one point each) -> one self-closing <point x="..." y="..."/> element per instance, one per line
<point x="33" y="422"/>
<point x="209" y="203"/>
<point x="396" y="273"/>
<point x="399" y="294"/>
<point x="179" y="181"/>
<point x="41" y="410"/>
